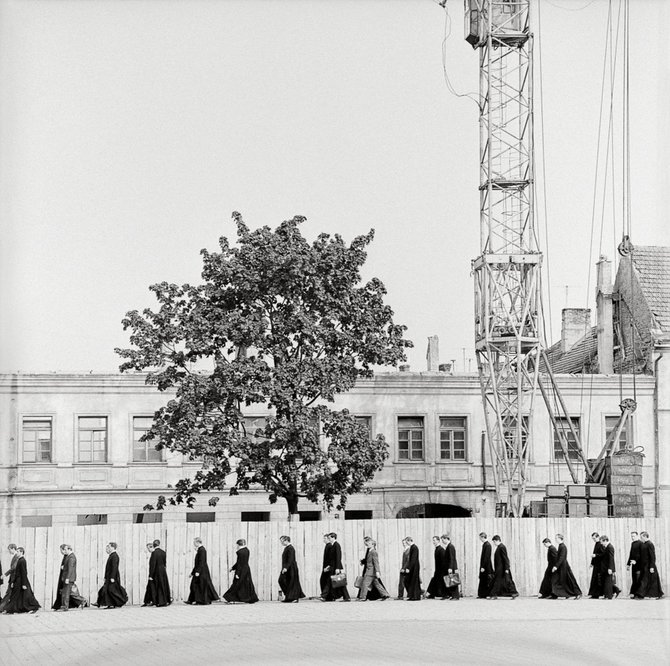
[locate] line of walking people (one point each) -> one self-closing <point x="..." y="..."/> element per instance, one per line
<point x="495" y="575"/>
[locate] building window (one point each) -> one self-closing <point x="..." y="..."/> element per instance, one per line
<point x="36" y="521"/>
<point x="366" y="422"/>
<point x="410" y="438"/>
<point x="626" y="436"/>
<point x="92" y="519"/>
<point x="510" y="436"/>
<point x="200" y="517"/>
<point x="144" y="451"/>
<point x="564" y="427"/>
<point x="37" y="440"/>
<point x="147" y="518"/>
<point x="92" y="439"/>
<point x="255" y="516"/>
<point x="309" y="515"/>
<point x="358" y="514"/>
<point x="452" y="437"/>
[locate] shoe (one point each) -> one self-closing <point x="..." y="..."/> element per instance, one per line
<point x="384" y="598"/>
<point x="579" y="596"/>
<point x="514" y="596"/>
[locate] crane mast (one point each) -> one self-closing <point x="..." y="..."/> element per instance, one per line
<point x="509" y="342"/>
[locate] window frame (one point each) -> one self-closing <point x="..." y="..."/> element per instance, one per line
<point x="409" y="458"/>
<point x="628" y="432"/>
<point x="77" y="433"/>
<point x="36" y="417"/>
<point x="466" y="438"/>
<point x="147" y="445"/>
<point x="555" y="443"/>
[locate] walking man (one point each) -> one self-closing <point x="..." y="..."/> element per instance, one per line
<point x="289" y="578"/>
<point x="334" y="566"/>
<point x="546" y="587"/>
<point x="634" y="563"/>
<point x="69" y="591"/>
<point x="451" y="566"/>
<point x="202" y="590"/>
<point x="371" y="573"/>
<point x="326" y="573"/>
<point x="485" y="568"/>
<point x="503" y="584"/>
<point x="111" y="594"/>
<point x="650" y="581"/>
<point x="436" y="586"/>
<point x="242" y="590"/>
<point x="412" y="577"/>
<point x="403" y="567"/>
<point x="596" y="586"/>
<point x="563" y="581"/>
<point x="608" y="570"/>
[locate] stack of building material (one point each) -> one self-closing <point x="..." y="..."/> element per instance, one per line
<point x="597" y="500"/>
<point x="577" y="506"/>
<point x="624" y="482"/>
<point x="555" y="499"/>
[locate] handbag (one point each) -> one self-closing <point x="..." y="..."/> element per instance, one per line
<point x="338" y="580"/>
<point x="452" y="579"/>
<point x="358" y="582"/>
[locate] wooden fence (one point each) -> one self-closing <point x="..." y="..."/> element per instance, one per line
<point x="522" y="537"/>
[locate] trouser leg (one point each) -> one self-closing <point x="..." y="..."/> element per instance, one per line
<point x="65" y="595"/>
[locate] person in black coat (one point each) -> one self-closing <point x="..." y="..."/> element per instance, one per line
<point x="334" y="566"/>
<point x="609" y="587"/>
<point x="326" y="573"/>
<point x="21" y="597"/>
<point x="436" y="587"/>
<point x="158" y="587"/>
<point x="242" y="590"/>
<point x="412" y="578"/>
<point x="596" y="585"/>
<point x="546" y="586"/>
<point x="503" y="583"/>
<point x="650" y="581"/>
<point x="111" y="594"/>
<point x="485" y="568"/>
<point x="450" y="567"/>
<point x="563" y="581"/>
<point x="11" y="548"/>
<point x="634" y="564"/>
<point x="202" y="590"/>
<point x="289" y="578"/>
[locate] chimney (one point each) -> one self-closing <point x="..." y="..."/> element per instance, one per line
<point x="433" y="354"/>
<point x="445" y="367"/>
<point x="604" y="325"/>
<point x="575" y="324"/>
<point x="403" y="367"/>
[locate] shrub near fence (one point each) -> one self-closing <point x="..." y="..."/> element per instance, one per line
<point x="522" y="537"/>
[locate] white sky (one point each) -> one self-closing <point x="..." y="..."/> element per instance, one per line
<point x="131" y="129"/>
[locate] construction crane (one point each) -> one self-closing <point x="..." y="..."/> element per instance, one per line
<point x="509" y="342"/>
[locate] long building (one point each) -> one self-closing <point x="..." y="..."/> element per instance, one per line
<point x="70" y="450"/>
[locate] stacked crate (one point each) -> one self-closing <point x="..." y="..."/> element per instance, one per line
<point x="624" y="481"/>
<point x="577" y="503"/>
<point x="597" y="500"/>
<point x="555" y="500"/>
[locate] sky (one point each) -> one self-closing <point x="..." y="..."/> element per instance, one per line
<point x="130" y="130"/>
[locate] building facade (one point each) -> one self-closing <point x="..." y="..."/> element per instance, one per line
<point x="71" y="453"/>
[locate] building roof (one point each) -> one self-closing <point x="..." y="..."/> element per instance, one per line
<point x="653" y="265"/>
<point x="581" y="357"/>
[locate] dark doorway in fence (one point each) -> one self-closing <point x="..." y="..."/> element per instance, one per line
<point x="434" y="511"/>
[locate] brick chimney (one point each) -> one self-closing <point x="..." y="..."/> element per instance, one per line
<point x="575" y="324"/>
<point x="433" y="354"/>
<point x="604" y="325"/>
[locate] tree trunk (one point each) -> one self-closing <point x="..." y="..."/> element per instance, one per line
<point x="292" y="502"/>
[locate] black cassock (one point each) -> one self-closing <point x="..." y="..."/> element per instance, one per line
<point x="20" y="600"/>
<point x="451" y="563"/>
<point x="158" y="589"/>
<point x="334" y="563"/>
<point x="486" y="576"/>
<point x="503" y="584"/>
<point x="324" y="578"/>
<point x="436" y="587"/>
<point x="242" y="588"/>
<point x="8" y="575"/>
<point x="412" y="579"/>
<point x="596" y="585"/>
<point x="289" y="580"/>
<point x="563" y="581"/>
<point x="545" y="585"/>
<point x="111" y="593"/>
<point x="607" y="564"/>
<point x="202" y="590"/>
<point x="635" y="557"/>
<point x="650" y="582"/>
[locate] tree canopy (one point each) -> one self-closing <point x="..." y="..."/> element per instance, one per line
<point x="278" y="326"/>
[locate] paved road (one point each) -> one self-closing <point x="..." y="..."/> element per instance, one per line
<point x="523" y="631"/>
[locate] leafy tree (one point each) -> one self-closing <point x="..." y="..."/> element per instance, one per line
<point x="283" y="324"/>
